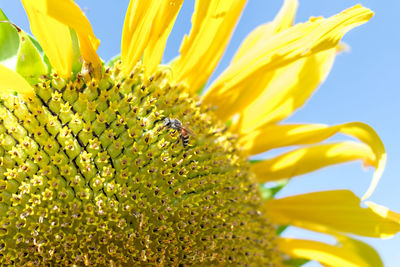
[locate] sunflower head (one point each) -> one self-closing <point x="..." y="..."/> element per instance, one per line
<point x="95" y="171"/>
<point x="125" y="164"/>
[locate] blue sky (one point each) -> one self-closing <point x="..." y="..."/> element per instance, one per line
<point x="363" y="86"/>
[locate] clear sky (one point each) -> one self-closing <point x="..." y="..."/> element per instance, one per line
<point x="364" y="85"/>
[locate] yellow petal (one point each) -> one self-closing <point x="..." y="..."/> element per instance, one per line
<point x="53" y="36"/>
<point x="88" y="47"/>
<point x="312" y="158"/>
<point x="231" y="92"/>
<point x="286" y="90"/>
<point x="272" y="136"/>
<point x="337" y="210"/>
<point x="213" y="23"/>
<point x="69" y="13"/>
<point x="11" y="82"/>
<point x="136" y="32"/>
<point x="160" y="30"/>
<point x="383" y="211"/>
<point x="283" y="20"/>
<point x="323" y="253"/>
<point x="309" y="159"/>
<point x="361" y="249"/>
<point x="367" y="135"/>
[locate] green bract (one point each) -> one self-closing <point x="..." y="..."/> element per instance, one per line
<point x="20" y="52"/>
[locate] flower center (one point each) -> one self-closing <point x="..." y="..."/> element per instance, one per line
<point x="124" y="170"/>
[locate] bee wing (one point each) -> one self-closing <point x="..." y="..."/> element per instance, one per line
<point x="190" y="132"/>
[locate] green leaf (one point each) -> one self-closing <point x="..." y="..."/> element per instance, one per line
<point x="29" y="60"/>
<point x="9" y="42"/>
<point x="201" y="89"/>
<point x="268" y="192"/>
<point x="281" y="228"/>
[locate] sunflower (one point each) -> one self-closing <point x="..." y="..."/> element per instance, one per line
<point x="125" y="163"/>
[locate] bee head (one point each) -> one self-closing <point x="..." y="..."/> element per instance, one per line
<point x="167" y="122"/>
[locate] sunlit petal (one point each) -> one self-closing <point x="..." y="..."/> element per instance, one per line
<point x="283" y="20"/>
<point x="325" y="254"/>
<point x="11" y="82"/>
<point x="286" y="89"/>
<point x="274" y="136"/>
<point x="69" y="13"/>
<point x="53" y="36"/>
<point x="136" y="32"/>
<point x="160" y="30"/>
<point x="230" y="93"/>
<point x="213" y="23"/>
<point x="337" y="210"/>
<point x="361" y="249"/>
<point x="311" y="158"/>
<point x="367" y="135"/>
<point x="384" y="211"/>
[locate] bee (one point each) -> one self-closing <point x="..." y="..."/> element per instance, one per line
<point x="175" y="124"/>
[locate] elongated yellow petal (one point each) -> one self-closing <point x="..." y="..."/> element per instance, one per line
<point x="312" y="158"/>
<point x="286" y="90"/>
<point x="88" y="47"/>
<point x="11" y="82"/>
<point x="337" y="210"/>
<point x="367" y="135"/>
<point x="69" y="13"/>
<point x="136" y="32"/>
<point x="160" y="30"/>
<point x="323" y="253"/>
<point x="280" y="135"/>
<point x="361" y="249"/>
<point x="53" y="36"/>
<point x="285" y="166"/>
<point x="213" y="23"/>
<point x="272" y="136"/>
<point x="231" y="92"/>
<point x="283" y="20"/>
<point x="384" y="211"/>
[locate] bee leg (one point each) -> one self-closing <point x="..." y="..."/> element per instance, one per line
<point x="179" y="139"/>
